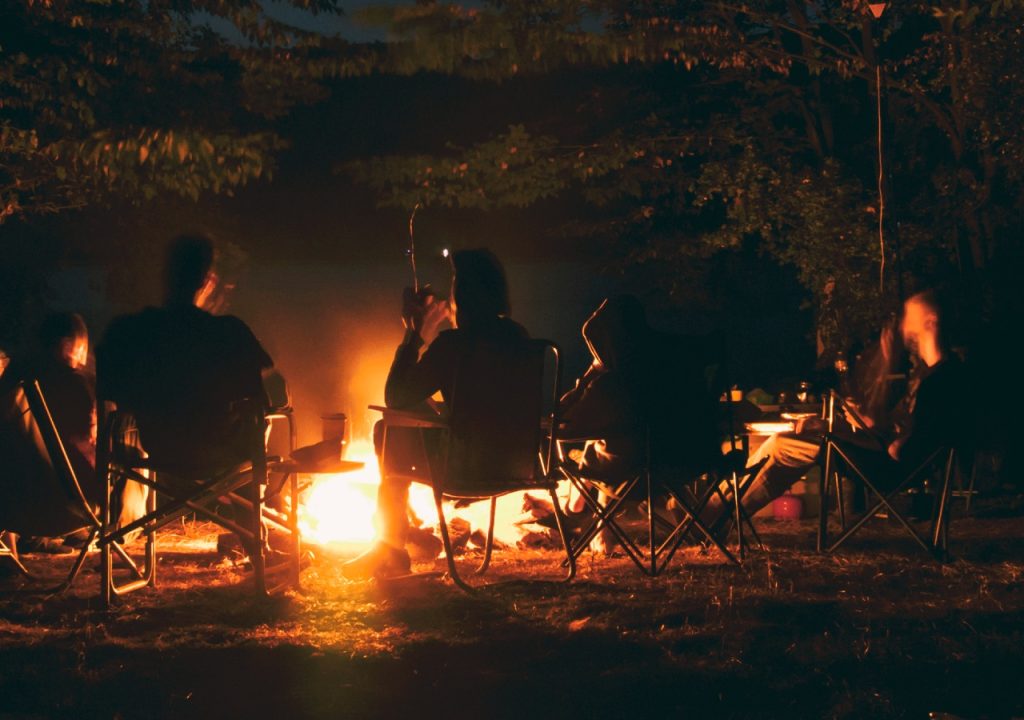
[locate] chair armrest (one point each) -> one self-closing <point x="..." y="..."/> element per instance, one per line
<point x="409" y="418"/>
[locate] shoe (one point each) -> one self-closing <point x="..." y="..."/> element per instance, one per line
<point x="381" y="560"/>
<point x="44" y="546"/>
<point x="77" y="539"/>
<point x="423" y="544"/>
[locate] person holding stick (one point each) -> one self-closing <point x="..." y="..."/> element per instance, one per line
<point x="424" y="364"/>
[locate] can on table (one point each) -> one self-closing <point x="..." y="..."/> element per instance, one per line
<point x="334" y="426"/>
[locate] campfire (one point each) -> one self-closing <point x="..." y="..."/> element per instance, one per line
<point x="338" y="510"/>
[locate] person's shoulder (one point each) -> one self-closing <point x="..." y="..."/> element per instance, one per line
<point x="129" y="324"/>
<point x="240" y="336"/>
<point x="127" y="321"/>
<point x="231" y="323"/>
<point x="513" y="328"/>
<point x="951" y="366"/>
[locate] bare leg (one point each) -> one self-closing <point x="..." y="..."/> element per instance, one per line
<point x="786" y="458"/>
<point x="392" y="511"/>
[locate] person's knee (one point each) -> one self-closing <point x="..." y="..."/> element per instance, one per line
<point x="794" y="451"/>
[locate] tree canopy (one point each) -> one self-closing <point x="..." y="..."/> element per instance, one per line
<point x="133" y="98"/>
<point x="710" y="124"/>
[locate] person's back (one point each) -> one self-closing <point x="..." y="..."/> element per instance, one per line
<point x="679" y="405"/>
<point x="645" y="389"/>
<point x="410" y="383"/>
<point x="180" y="371"/>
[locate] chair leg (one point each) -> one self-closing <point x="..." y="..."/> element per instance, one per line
<point x="151" y="540"/>
<point x="109" y="546"/>
<point x="489" y="547"/>
<point x="570" y="559"/>
<point x="738" y="510"/>
<point x="256" y="552"/>
<point x="940" y="533"/>
<point x="823" y="497"/>
<point x="106" y="560"/>
<point x="883" y="501"/>
<point x="693" y="511"/>
<point x="293" y="526"/>
<point x="77" y="567"/>
<point x="453" y="572"/>
<point x="840" y="502"/>
<point x="651" y="542"/>
<point x="604" y="517"/>
<point x="741" y="514"/>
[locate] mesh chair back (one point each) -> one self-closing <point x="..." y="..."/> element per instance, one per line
<point x="39" y="493"/>
<point x="679" y="406"/>
<point x="496" y="410"/>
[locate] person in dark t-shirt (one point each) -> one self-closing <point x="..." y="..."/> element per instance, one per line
<point x="181" y="370"/>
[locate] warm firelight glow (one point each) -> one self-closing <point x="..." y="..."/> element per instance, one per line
<point x="339" y="509"/>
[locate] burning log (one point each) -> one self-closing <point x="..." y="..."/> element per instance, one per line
<point x="423" y="544"/>
<point x="459" y="531"/>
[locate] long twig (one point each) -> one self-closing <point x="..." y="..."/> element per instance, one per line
<point x="412" y="249"/>
<point x="881" y="182"/>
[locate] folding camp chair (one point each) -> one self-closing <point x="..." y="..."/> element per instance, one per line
<point x="888" y="480"/>
<point x="53" y="503"/>
<point x="733" y="465"/>
<point x="681" y="446"/>
<point x="491" y="435"/>
<point x="244" y="484"/>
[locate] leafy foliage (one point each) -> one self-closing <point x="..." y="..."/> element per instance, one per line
<point x="133" y="98"/>
<point x="749" y="122"/>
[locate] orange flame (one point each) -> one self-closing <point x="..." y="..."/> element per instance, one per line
<point x="339" y="509"/>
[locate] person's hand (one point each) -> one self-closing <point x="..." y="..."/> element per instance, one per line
<point x="437" y="313"/>
<point x="854" y="422"/>
<point x="412" y="309"/>
<point x="424" y="314"/>
<point x="894" y="448"/>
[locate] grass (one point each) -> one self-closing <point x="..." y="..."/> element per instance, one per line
<point x="877" y="630"/>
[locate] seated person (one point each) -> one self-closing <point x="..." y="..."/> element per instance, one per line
<point x="603" y="407"/>
<point x="642" y="386"/>
<point x="181" y="370"/>
<point x="69" y="392"/>
<point x="931" y="415"/>
<point x="60" y="368"/>
<point x="424" y="364"/>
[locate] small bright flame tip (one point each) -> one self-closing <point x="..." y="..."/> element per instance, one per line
<point x="445" y="253"/>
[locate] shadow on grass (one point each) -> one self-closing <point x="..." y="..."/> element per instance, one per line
<point x="519" y="671"/>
